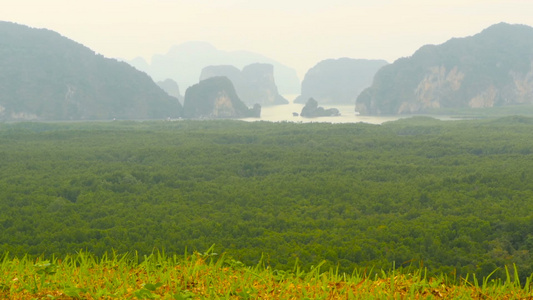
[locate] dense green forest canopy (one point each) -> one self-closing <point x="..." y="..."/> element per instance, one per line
<point x="454" y="196"/>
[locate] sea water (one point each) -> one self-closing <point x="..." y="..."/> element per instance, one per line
<point x="291" y="113"/>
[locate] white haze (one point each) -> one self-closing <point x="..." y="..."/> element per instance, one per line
<point x="296" y="33"/>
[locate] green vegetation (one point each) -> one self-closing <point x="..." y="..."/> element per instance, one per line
<point x="208" y="276"/>
<point x="453" y="197"/>
<point x="484" y="113"/>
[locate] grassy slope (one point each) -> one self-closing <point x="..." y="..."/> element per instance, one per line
<point x="211" y="276"/>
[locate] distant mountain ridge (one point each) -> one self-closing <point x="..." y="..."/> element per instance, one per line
<point x="255" y="84"/>
<point x="338" y="81"/>
<point x="45" y="76"/>
<point x="492" y="68"/>
<point x="172" y="88"/>
<point x="183" y="63"/>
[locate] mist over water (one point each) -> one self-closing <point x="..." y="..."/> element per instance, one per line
<point x="284" y="113"/>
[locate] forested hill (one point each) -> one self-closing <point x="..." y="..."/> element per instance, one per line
<point x="338" y="81"/>
<point x="45" y="76"/>
<point x="454" y="197"/>
<point x="490" y="69"/>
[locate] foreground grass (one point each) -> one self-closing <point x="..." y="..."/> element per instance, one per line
<point x="208" y="276"/>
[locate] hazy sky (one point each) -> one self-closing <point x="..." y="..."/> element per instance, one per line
<point x="298" y="33"/>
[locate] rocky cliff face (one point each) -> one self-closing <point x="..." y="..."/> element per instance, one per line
<point x="255" y="84"/>
<point x="215" y="97"/>
<point x="338" y="81"/>
<point x="492" y="68"/>
<point x="45" y="76"/>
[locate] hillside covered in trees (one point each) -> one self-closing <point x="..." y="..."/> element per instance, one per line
<point x="45" y="76"/>
<point x="255" y="83"/>
<point x="490" y="69"/>
<point x="454" y="197"/>
<point x="215" y="98"/>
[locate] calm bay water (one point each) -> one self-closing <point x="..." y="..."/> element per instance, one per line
<point x="281" y="113"/>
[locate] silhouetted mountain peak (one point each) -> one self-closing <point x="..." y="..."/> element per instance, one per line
<point x="255" y="84"/>
<point x="215" y="97"/>
<point x="184" y="63"/>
